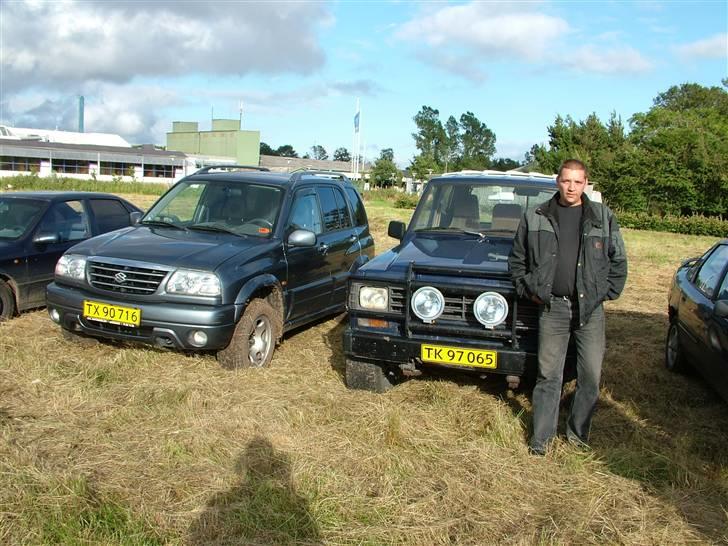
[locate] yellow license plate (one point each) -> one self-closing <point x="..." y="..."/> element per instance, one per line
<point x="474" y="358"/>
<point x="113" y="314"/>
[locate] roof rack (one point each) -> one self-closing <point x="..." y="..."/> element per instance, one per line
<point x="225" y="167"/>
<point x="504" y="174"/>
<point x="297" y="175"/>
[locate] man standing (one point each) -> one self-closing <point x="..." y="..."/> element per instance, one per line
<point x="568" y="256"/>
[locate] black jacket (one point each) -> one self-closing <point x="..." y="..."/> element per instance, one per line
<point x="601" y="266"/>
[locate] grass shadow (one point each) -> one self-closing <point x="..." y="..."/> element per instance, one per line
<point x="264" y="508"/>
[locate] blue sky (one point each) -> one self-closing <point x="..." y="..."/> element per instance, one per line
<point x="299" y="67"/>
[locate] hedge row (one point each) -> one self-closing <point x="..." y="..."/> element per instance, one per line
<point x="688" y="225"/>
<point x="60" y="183"/>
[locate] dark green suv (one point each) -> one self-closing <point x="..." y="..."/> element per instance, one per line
<point x="224" y="262"/>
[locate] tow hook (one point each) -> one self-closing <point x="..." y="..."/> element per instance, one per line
<point x="409" y="370"/>
<point x="513" y="381"/>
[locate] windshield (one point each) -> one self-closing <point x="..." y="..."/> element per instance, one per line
<point x="239" y="208"/>
<point x="18" y="216"/>
<point x="480" y="207"/>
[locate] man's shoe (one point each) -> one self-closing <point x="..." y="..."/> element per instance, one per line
<point x="537" y="451"/>
<point x="578" y="444"/>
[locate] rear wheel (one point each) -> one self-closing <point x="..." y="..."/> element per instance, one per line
<point x="367" y="376"/>
<point x="254" y="339"/>
<point x="7" y="301"/>
<point x="674" y="354"/>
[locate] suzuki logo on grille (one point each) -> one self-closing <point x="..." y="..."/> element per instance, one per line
<point x="120" y="277"/>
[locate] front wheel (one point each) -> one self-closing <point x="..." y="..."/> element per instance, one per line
<point x="7" y="302"/>
<point x="674" y="354"/>
<point x="254" y="338"/>
<point x="367" y="376"/>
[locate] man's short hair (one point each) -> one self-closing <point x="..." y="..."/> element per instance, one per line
<point x="574" y="165"/>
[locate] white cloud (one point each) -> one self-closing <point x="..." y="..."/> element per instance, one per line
<point x="491" y="29"/>
<point x="714" y="47"/>
<point x="622" y="60"/>
<point x="59" y="44"/>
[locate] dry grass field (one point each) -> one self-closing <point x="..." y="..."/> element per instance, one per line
<point x="114" y="444"/>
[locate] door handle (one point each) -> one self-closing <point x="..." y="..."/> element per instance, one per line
<point x="353" y="239"/>
<point x="323" y="248"/>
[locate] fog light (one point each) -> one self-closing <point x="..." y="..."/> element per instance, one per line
<point x="55" y="315"/>
<point x="198" y="338"/>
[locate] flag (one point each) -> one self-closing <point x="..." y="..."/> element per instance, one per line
<point x="356" y="122"/>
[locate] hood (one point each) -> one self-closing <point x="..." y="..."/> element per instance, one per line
<point x="170" y="247"/>
<point x="446" y="251"/>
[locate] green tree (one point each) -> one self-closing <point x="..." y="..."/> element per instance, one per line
<point x="504" y="164"/>
<point x="385" y="173"/>
<point x="478" y="142"/>
<point x="452" y="144"/>
<point x="319" y="152"/>
<point x="286" y="151"/>
<point x="423" y="167"/>
<point x="342" y="154"/>
<point x="430" y="136"/>
<point x="266" y="150"/>
<point x="387" y="153"/>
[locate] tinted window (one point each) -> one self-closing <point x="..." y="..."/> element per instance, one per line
<point x="17" y="216"/>
<point x="109" y="214"/>
<point x="710" y="273"/>
<point x="305" y="213"/>
<point x="329" y="208"/>
<point x="68" y="220"/>
<point x="343" y="210"/>
<point x="360" y="215"/>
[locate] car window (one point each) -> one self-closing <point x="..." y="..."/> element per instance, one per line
<point x="67" y="219"/>
<point x="710" y="272"/>
<point x="17" y="216"/>
<point x="723" y="292"/>
<point x="344" y="217"/>
<point x="305" y="213"/>
<point x="360" y="215"/>
<point x="110" y="214"/>
<point x="329" y="208"/>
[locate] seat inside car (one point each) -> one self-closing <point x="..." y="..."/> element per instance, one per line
<point x="506" y="216"/>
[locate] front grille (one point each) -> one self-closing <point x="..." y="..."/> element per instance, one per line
<point x="125" y="279"/>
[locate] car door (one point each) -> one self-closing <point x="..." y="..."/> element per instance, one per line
<point x="339" y="242"/>
<point x="718" y="337"/>
<point x="361" y="223"/>
<point x="309" y="282"/>
<point x="67" y="222"/>
<point x="108" y="215"/>
<point x="697" y="314"/>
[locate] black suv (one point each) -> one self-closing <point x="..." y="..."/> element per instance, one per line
<point x="224" y="261"/>
<point x="443" y="297"/>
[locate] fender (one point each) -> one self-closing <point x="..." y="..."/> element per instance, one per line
<point x="360" y="261"/>
<point x="251" y="287"/>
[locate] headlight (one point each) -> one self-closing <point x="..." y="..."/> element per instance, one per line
<point x="194" y="283"/>
<point x="428" y="303"/>
<point x="490" y="309"/>
<point x="371" y="297"/>
<point x="71" y="266"/>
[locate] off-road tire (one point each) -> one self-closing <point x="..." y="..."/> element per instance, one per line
<point x="7" y="302"/>
<point x="675" y="360"/>
<point x="254" y="338"/>
<point x="367" y="377"/>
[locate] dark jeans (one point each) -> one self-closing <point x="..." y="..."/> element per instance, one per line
<point x="558" y="321"/>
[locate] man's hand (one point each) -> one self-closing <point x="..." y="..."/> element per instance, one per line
<point x="536" y="299"/>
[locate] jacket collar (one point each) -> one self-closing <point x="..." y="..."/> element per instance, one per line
<point x="590" y="212"/>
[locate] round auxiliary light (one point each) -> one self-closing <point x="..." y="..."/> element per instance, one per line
<point x="428" y="303"/>
<point x="490" y="309"/>
<point x="198" y="338"/>
<point x="55" y="315"/>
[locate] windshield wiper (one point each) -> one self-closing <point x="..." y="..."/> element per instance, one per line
<point x="454" y="230"/>
<point x="160" y="223"/>
<point x="213" y="227"/>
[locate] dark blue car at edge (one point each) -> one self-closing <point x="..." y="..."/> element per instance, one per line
<point x="698" y="310"/>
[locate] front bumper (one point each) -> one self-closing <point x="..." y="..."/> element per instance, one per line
<point x="394" y="351"/>
<point x="163" y="324"/>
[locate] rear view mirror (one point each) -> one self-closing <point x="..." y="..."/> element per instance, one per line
<point x="721" y="308"/>
<point x="302" y="237"/>
<point x="135" y="217"/>
<point x="396" y="230"/>
<point x="45" y="238"/>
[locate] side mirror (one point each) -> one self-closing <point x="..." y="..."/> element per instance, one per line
<point x="396" y="230"/>
<point x="721" y="309"/>
<point x="45" y="238"/>
<point x="135" y="217"/>
<point x="302" y="237"/>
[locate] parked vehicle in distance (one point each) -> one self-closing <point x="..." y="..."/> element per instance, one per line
<point x="697" y="336"/>
<point x="37" y="227"/>
<point x="224" y="261"/>
<point x="443" y="298"/>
